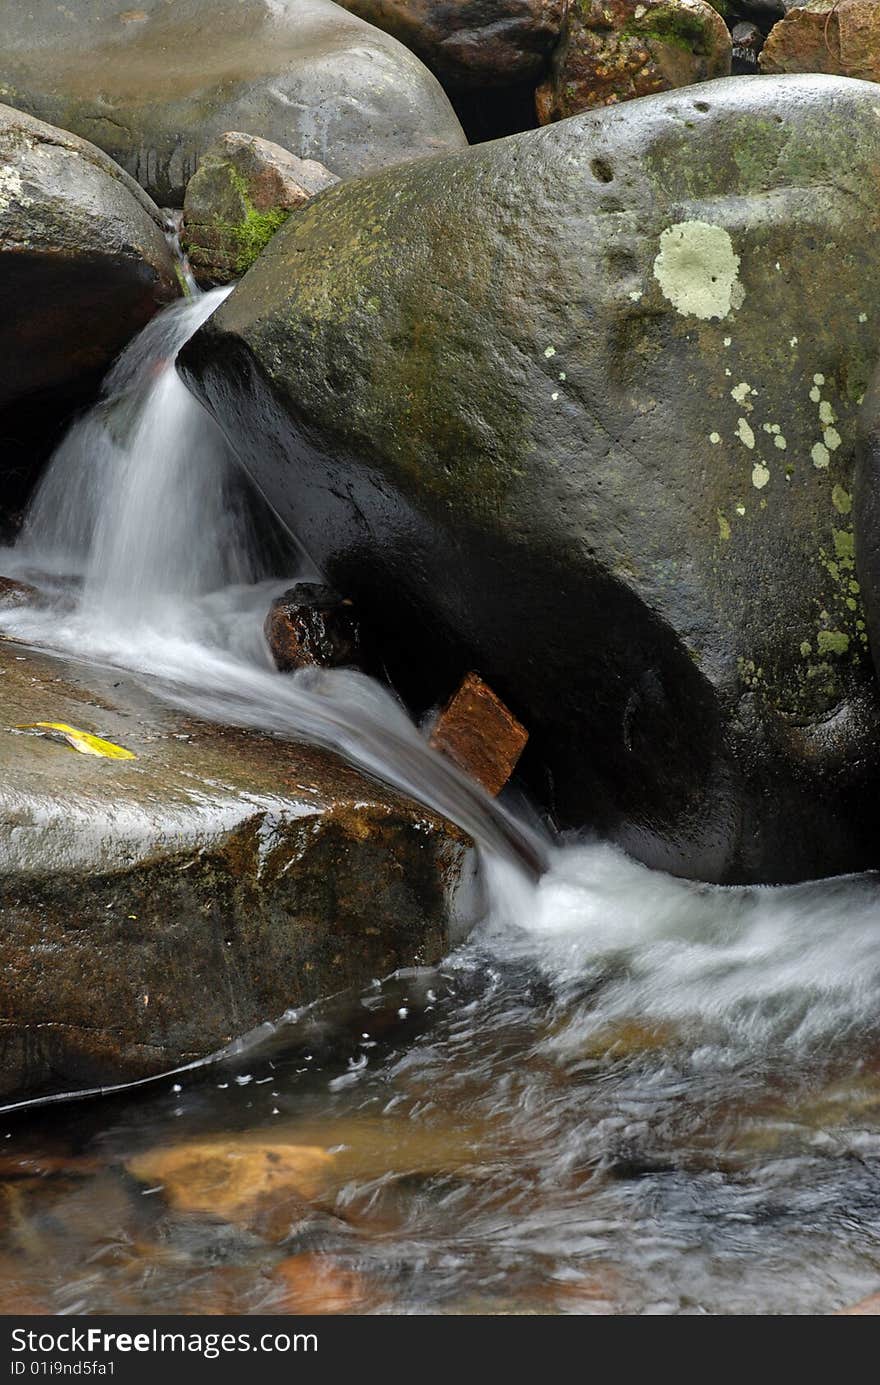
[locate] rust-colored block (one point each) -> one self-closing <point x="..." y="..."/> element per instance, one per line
<point x="480" y="734"/>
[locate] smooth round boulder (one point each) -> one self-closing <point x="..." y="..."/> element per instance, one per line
<point x="84" y="265"/>
<point x="156" y="84"/>
<point x="576" y="409"/>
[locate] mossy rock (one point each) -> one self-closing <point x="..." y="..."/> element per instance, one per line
<point x="242" y="193"/>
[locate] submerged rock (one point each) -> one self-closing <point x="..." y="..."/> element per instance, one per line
<point x="153" y="909"/>
<point x="242" y="192"/>
<point x="559" y="408"/>
<point x="472" y="43"/>
<point x="614" y="50"/>
<point x="155" y="86"/>
<point x="84" y="264"/>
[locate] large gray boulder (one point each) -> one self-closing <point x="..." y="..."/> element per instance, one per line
<point x="576" y="409"/>
<point x="84" y="264"/>
<point x="156" y="84"/>
<point x="153" y="909"/>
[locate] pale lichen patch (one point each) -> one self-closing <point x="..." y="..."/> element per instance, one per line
<point x="820" y="455"/>
<point x="841" y="500"/>
<point x="697" y="270"/>
<point x="831" y="438"/>
<point x="760" y="476"/>
<point x="832" y="642"/>
<point x="744" y="433"/>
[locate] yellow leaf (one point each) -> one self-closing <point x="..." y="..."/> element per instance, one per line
<point x="81" y="740"/>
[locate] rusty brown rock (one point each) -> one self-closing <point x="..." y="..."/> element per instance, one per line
<point x="480" y="734"/>
<point x="840" y="37"/>
<point x="311" y="626"/>
<point x="242" y="192"/>
<point x="615" y="50"/>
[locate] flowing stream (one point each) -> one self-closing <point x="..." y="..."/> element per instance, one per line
<point x="625" y="1093"/>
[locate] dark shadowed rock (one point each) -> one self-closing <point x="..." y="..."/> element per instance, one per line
<point x="84" y="264"/>
<point x="561" y="409"/>
<point x="155" y="85"/>
<point x="311" y="626"/>
<point x="747" y="44"/>
<point x="472" y="43"/>
<point x="613" y="50"/>
<point x="153" y="909"/>
<point x="242" y="192"/>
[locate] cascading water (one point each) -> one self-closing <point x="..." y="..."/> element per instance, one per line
<point x="145" y="506"/>
<point x="626" y="1092"/>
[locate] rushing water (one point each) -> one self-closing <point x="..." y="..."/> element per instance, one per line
<point x="626" y="1093"/>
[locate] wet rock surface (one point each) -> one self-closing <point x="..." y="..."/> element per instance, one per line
<point x="620" y="487"/>
<point x="612" y="52"/>
<point x="242" y="192"/>
<point x="152" y="910"/>
<point x="84" y="264"/>
<point x="312" y="626"/>
<point x="151" y="89"/>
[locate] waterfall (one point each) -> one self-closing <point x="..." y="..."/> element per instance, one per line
<point x="145" y="509"/>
